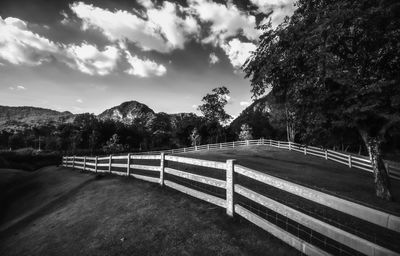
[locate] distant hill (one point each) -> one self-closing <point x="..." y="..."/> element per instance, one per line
<point x="18" y="118"/>
<point x="129" y="112"/>
<point x="257" y="116"/>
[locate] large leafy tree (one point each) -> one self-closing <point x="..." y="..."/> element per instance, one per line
<point x="337" y="64"/>
<point x="214" y="103"/>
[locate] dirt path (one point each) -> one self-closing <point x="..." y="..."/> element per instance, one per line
<point x="123" y="216"/>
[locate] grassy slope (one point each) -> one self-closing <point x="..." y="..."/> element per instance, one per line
<point x="81" y="214"/>
<point x="311" y="171"/>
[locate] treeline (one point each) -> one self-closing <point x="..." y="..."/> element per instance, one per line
<point x="88" y="134"/>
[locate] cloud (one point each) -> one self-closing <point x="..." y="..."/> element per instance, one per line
<point x="226" y="21"/>
<point x="238" y="51"/>
<point x="79" y="100"/>
<point x="244" y="103"/>
<point x="160" y="29"/>
<point x="213" y="58"/>
<point x="17" y="88"/>
<point x="90" y="60"/>
<point x="144" y="68"/>
<point x="279" y="8"/>
<point x="18" y="45"/>
<point x="195" y="106"/>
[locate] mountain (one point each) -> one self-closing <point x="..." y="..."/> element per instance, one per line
<point x="257" y="116"/>
<point x="138" y="113"/>
<point x="129" y="112"/>
<point x="18" y="118"/>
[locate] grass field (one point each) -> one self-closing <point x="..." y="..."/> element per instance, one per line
<point x="328" y="176"/>
<point x="57" y="211"/>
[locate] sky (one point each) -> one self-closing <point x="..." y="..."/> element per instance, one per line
<point x="88" y="56"/>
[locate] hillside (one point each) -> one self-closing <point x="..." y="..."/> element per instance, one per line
<point x="257" y="115"/>
<point x="129" y="112"/>
<point x="17" y="118"/>
<point x="58" y="211"/>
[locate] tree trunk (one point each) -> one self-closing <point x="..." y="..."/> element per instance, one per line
<point x="290" y="131"/>
<point x="381" y="177"/>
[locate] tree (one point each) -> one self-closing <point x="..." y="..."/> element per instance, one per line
<point x="213" y="105"/>
<point x="112" y="145"/>
<point x="336" y="63"/>
<point x="246" y="132"/>
<point x="195" y="137"/>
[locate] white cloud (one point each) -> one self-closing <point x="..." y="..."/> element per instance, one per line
<point x="244" y="103"/>
<point x="237" y="51"/>
<point x="90" y="60"/>
<point x="195" y="106"/>
<point x="161" y="29"/>
<point x="280" y="9"/>
<point x="79" y="100"/>
<point x="17" y="88"/>
<point x="213" y="58"/>
<point x="18" y="45"/>
<point x="144" y="68"/>
<point x="226" y="21"/>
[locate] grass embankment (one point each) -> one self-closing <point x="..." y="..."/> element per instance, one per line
<point x="72" y="213"/>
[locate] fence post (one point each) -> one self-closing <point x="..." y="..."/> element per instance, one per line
<point x="349" y="161"/>
<point x="233" y="144"/>
<point x="95" y="165"/>
<point x="128" y="165"/>
<point x="220" y="145"/>
<point x="73" y="163"/>
<point x="290" y="145"/>
<point x="162" y="167"/>
<point x="230" y="186"/>
<point x="326" y="154"/>
<point x="387" y="168"/>
<point x="109" y="164"/>
<point x="208" y="146"/>
<point x="84" y="163"/>
<point x="184" y="149"/>
<point x="247" y="143"/>
<point x="305" y="150"/>
<point x="195" y="148"/>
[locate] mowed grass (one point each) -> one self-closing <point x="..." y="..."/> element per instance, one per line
<point x="65" y="212"/>
<point x="324" y="175"/>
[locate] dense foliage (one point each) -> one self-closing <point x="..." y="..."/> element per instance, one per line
<point x="335" y="65"/>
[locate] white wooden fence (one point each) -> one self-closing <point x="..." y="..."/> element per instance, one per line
<point x="124" y="165"/>
<point x="352" y="161"/>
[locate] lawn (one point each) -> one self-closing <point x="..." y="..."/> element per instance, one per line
<point x="58" y="211"/>
<point x="324" y="175"/>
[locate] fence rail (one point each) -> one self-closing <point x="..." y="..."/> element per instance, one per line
<point x="352" y="161"/>
<point x="205" y="187"/>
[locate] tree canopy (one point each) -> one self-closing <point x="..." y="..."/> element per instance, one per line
<point x="214" y="103"/>
<point x="336" y="63"/>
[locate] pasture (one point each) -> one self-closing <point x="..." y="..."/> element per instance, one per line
<point x="58" y="211"/>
